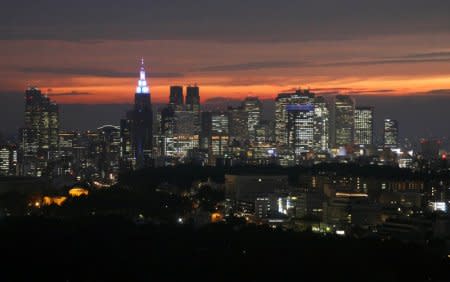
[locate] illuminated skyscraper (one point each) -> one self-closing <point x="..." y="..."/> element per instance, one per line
<point x="321" y="125"/>
<point x="390" y="133"/>
<point x="252" y="106"/>
<point x="344" y="120"/>
<point x="39" y="137"/>
<point x="8" y="160"/>
<point x="176" y="99"/>
<point x="281" y="116"/>
<point x="219" y="131"/>
<point x="363" y="126"/>
<point x="141" y="124"/>
<point x="300" y="127"/>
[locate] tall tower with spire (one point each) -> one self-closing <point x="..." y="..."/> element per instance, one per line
<point x="141" y="122"/>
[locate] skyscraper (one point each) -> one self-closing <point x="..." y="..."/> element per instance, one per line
<point x="176" y="99"/>
<point x="219" y="131"/>
<point x="39" y="137"/>
<point x="8" y="160"/>
<point x="321" y="125"/>
<point x="390" y="133"/>
<point x="141" y="118"/>
<point x="344" y="118"/>
<point x="252" y="106"/>
<point x="300" y="127"/>
<point x="193" y="98"/>
<point x="363" y="134"/>
<point x="238" y="120"/>
<point x="281" y="117"/>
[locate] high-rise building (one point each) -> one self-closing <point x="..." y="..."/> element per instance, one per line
<point x="39" y="137"/>
<point x="8" y="160"/>
<point x="206" y="130"/>
<point x="390" y="133"/>
<point x="108" y="160"/>
<point x="167" y="130"/>
<point x="252" y="106"/>
<point x="344" y="118"/>
<point x="193" y="105"/>
<point x="141" y="125"/>
<point x="186" y="132"/>
<point x="176" y="99"/>
<point x="193" y="98"/>
<point x="219" y="134"/>
<point x="281" y="116"/>
<point x="300" y="128"/>
<point x="363" y="126"/>
<point x="321" y="125"/>
<point x="238" y="119"/>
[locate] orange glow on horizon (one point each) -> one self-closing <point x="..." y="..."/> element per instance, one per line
<point x="115" y="91"/>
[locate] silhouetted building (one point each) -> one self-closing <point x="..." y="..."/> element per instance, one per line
<point x="238" y="121"/>
<point x="109" y="139"/>
<point x="141" y="125"/>
<point x="176" y="99"/>
<point x="429" y="148"/>
<point x="39" y="137"/>
<point x="193" y="98"/>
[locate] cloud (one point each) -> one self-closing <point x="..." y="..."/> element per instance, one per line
<point x="94" y="72"/>
<point x="261" y="65"/>
<point x="350" y="91"/>
<point x="443" y="54"/>
<point x="221" y="100"/>
<point x="440" y="92"/>
<point x="253" y="66"/>
<point x="250" y="20"/>
<point x="382" y="62"/>
<point x="70" y="94"/>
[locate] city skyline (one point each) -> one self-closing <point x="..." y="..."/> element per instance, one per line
<point x="353" y="48"/>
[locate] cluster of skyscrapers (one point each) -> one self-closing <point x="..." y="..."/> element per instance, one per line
<point x="305" y="128"/>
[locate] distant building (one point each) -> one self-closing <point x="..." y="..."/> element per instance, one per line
<point x="141" y="122"/>
<point x="363" y="134"/>
<point x="429" y="148"/>
<point x="300" y="127"/>
<point x="344" y="120"/>
<point x="8" y="160"/>
<point x="193" y="98"/>
<point x="109" y="153"/>
<point x="219" y="134"/>
<point x="390" y="133"/>
<point x="39" y="137"/>
<point x="239" y="129"/>
<point x="281" y="114"/>
<point x="321" y="125"/>
<point x="252" y="107"/>
<point x="176" y="99"/>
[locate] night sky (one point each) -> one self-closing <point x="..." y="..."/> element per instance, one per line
<point x="88" y="51"/>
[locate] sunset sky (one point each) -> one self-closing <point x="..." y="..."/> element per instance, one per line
<point x="88" y="51"/>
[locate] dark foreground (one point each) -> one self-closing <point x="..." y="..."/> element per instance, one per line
<point x="114" y="249"/>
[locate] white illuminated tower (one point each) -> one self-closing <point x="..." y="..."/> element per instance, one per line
<point x="142" y="87"/>
<point x="141" y="121"/>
